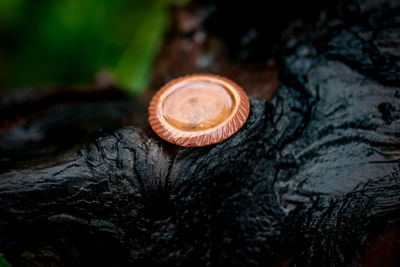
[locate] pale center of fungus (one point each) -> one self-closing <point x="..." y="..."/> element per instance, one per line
<point x="198" y="106"/>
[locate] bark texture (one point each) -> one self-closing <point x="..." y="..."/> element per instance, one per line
<point x="312" y="179"/>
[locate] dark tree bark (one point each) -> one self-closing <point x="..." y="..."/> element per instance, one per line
<point x="312" y="179"/>
<point x="48" y="121"/>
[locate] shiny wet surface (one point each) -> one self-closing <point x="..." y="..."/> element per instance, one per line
<point x="198" y="106"/>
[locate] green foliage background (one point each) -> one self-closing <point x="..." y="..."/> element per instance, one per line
<point x="3" y="261"/>
<point x="69" y="41"/>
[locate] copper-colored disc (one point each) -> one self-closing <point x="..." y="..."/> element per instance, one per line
<point x="198" y="110"/>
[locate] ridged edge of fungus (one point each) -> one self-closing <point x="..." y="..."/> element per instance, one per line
<point x="206" y="137"/>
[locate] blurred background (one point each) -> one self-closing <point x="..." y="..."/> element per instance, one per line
<point x="78" y="42"/>
<point x="50" y="42"/>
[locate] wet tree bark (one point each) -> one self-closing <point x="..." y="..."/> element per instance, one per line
<point x="312" y="179"/>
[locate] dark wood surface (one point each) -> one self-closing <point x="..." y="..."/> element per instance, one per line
<point x="312" y="178"/>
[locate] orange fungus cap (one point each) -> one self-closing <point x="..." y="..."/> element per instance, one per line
<point x="198" y="110"/>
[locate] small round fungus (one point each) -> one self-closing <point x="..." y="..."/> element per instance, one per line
<point x="198" y="110"/>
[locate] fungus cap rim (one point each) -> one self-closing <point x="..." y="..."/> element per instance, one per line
<point x="213" y="135"/>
